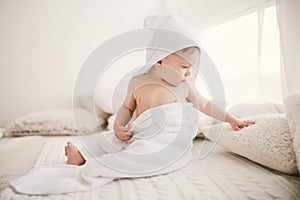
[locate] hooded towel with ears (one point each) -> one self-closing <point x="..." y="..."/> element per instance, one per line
<point x="170" y="34"/>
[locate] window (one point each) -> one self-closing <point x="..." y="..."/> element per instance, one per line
<point x="249" y="65"/>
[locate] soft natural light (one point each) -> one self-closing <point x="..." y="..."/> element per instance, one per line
<point x="233" y="47"/>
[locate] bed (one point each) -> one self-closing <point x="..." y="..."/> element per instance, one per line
<point x="220" y="175"/>
<point x="227" y="172"/>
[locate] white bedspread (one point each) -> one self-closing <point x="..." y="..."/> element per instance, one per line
<point x="161" y="143"/>
<point x="221" y="175"/>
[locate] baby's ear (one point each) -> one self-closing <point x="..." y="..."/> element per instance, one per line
<point x="159" y="64"/>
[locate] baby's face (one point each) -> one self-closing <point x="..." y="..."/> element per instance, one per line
<point x="176" y="68"/>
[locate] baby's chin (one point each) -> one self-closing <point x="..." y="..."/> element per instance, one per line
<point x="171" y="76"/>
<point x="174" y="81"/>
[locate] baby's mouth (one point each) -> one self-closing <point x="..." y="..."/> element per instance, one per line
<point x="183" y="80"/>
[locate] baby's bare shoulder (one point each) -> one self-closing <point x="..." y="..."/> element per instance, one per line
<point x="137" y="77"/>
<point x="137" y="81"/>
<point x="142" y="79"/>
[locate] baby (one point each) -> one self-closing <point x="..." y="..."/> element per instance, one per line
<point x="166" y="82"/>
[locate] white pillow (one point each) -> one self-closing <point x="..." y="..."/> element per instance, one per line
<point x="54" y="122"/>
<point x="292" y="108"/>
<point x="203" y="121"/>
<point x="110" y="122"/>
<point x="88" y="102"/>
<point x="1" y="132"/>
<point x="110" y="99"/>
<point x="254" y="108"/>
<point x="268" y="142"/>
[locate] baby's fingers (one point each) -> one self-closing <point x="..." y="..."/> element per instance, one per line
<point x="251" y="122"/>
<point x="235" y="127"/>
<point x="126" y="135"/>
<point x="124" y="128"/>
<point x="248" y="122"/>
<point x="245" y="124"/>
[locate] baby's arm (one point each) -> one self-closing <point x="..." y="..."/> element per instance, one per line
<point x="125" y="114"/>
<point x="210" y="109"/>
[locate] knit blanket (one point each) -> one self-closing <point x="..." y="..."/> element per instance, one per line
<point x="161" y="143"/>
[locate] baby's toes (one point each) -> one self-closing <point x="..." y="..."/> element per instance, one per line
<point x="66" y="150"/>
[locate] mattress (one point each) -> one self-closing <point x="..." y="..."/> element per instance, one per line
<point x="220" y="175"/>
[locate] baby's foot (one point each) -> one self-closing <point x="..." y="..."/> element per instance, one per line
<point x="73" y="155"/>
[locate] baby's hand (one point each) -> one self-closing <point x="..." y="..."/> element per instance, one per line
<point x="122" y="132"/>
<point x="238" y="124"/>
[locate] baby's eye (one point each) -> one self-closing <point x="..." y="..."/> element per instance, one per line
<point x="185" y="67"/>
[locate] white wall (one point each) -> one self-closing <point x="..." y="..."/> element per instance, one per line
<point x="206" y="13"/>
<point x="43" y="44"/>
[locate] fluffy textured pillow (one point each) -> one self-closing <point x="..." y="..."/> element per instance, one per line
<point x="292" y="109"/>
<point x="54" y="122"/>
<point x="240" y="111"/>
<point x="268" y="142"/>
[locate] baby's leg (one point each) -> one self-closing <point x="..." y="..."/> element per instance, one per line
<point x="96" y="145"/>
<point x="93" y="146"/>
<point x="73" y="155"/>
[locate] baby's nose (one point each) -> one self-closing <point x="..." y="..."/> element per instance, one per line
<point x="188" y="73"/>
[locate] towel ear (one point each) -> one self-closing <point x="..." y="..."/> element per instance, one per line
<point x="155" y="21"/>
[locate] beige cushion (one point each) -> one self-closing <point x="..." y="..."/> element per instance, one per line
<point x="292" y="107"/>
<point x="54" y="122"/>
<point x="268" y="142"/>
<point x="239" y="111"/>
<point x="255" y="108"/>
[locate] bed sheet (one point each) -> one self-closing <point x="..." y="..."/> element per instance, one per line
<point x="220" y="175"/>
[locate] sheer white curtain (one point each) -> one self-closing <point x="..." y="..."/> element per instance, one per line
<point x="242" y="37"/>
<point x="288" y="13"/>
<point x="246" y="52"/>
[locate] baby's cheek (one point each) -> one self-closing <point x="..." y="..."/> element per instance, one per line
<point x="171" y="76"/>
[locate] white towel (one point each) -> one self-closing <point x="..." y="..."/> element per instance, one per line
<point x="161" y="143"/>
